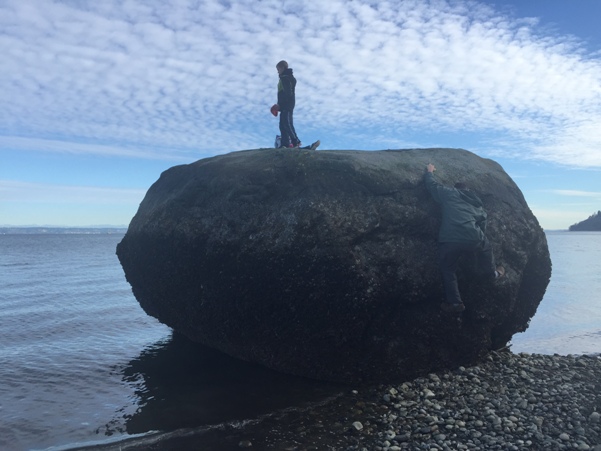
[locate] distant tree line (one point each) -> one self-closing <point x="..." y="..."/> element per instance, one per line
<point x="592" y="224"/>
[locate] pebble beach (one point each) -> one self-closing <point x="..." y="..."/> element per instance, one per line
<point x="506" y="402"/>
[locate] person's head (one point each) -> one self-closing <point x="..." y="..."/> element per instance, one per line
<point x="281" y="66"/>
<point x="461" y="186"/>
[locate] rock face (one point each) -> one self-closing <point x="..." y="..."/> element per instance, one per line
<point x="324" y="264"/>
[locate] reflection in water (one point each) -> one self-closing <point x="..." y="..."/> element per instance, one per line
<point x="181" y="384"/>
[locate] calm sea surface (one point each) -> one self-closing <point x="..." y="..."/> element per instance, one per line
<point x="568" y="320"/>
<point x="80" y="362"/>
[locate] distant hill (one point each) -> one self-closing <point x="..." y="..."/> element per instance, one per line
<point x="592" y="224"/>
<point x="60" y="230"/>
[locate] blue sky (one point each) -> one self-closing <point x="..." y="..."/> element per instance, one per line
<point x="98" y="98"/>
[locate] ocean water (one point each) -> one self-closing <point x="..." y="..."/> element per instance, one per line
<point x="81" y="363"/>
<point x="568" y="320"/>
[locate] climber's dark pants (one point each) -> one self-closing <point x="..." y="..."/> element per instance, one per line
<point x="449" y="255"/>
<point x="287" y="129"/>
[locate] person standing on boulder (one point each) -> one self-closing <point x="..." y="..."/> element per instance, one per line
<point x="285" y="106"/>
<point x="462" y="232"/>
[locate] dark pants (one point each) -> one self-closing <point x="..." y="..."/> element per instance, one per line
<point x="449" y="255"/>
<point x="287" y="129"/>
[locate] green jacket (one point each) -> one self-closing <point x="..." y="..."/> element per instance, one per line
<point x="463" y="218"/>
<point x="286" y="88"/>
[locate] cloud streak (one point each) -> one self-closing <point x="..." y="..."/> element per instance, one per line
<point x="81" y="148"/>
<point x="198" y="77"/>
<point x="24" y="192"/>
<point x="576" y="193"/>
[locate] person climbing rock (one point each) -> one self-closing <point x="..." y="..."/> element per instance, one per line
<point x="462" y="232"/>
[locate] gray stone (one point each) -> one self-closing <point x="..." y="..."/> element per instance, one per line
<point x="324" y="264"/>
<point x="358" y="425"/>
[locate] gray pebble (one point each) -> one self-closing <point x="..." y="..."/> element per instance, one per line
<point x="507" y="402"/>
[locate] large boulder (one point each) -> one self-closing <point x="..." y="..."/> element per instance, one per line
<point x="324" y="264"/>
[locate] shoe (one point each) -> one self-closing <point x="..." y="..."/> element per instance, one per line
<point x="315" y="145"/>
<point x="499" y="272"/>
<point x="452" y="308"/>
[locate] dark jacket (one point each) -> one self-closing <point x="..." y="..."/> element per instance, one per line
<point x="286" y="87"/>
<point x="463" y="218"/>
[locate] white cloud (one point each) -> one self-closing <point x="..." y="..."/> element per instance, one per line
<point x="198" y="77"/>
<point x="559" y="219"/>
<point x="73" y="147"/>
<point x="577" y="193"/>
<point x="24" y="192"/>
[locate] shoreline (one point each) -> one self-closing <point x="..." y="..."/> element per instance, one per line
<point x="506" y="402"/>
